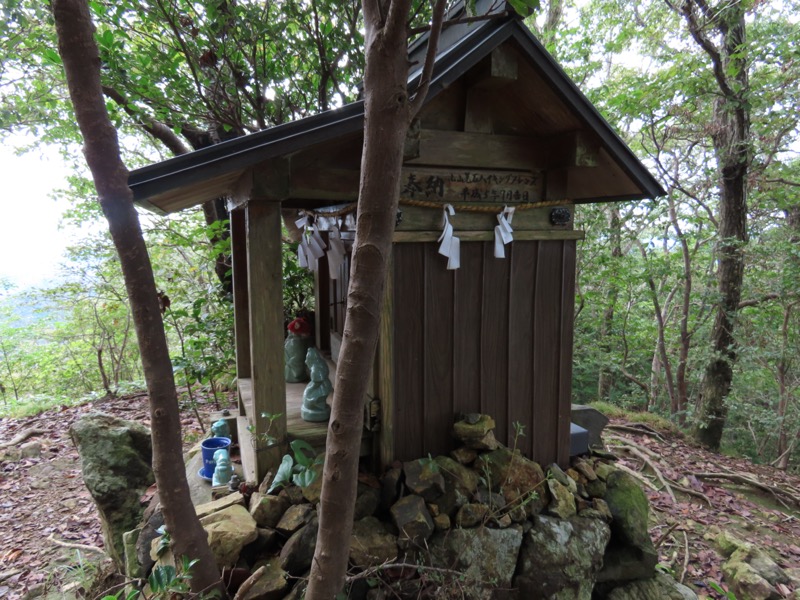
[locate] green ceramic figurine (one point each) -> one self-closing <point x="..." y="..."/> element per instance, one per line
<point x="221" y="429"/>
<point x="294" y="350"/>
<point x="223" y="471"/>
<point x="316" y="393"/>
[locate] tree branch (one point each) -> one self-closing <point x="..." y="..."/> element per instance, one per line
<point x="430" y="59"/>
<point x="158" y="130"/>
<point x="463" y="21"/>
<point x="696" y="31"/>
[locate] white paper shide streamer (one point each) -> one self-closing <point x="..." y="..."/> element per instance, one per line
<point x="450" y="245"/>
<point x="312" y="246"/>
<point x="503" y="233"/>
<point x="336" y="251"/>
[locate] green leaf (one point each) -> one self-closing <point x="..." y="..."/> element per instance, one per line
<point x="299" y="447"/>
<point x="51" y="56"/>
<point x="304" y="478"/>
<point x="284" y="474"/>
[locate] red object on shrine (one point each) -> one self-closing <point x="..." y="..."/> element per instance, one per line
<point x="299" y="327"/>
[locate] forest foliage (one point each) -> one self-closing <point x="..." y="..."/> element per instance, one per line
<point x="182" y="75"/>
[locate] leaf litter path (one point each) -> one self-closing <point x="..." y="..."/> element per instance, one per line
<point x="43" y="499"/>
<point x="44" y="505"/>
<point x="756" y="503"/>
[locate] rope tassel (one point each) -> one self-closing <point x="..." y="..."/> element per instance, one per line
<point x="450" y="245"/>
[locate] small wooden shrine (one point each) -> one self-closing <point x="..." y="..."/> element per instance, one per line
<point x="507" y="141"/>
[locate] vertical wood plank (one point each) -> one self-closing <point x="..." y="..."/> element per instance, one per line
<point x="408" y="350"/>
<point x="494" y="339"/>
<point x="265" y="289"/>
<point x="567" y="337"/>
<point x="241" y="302"/>
<point x="520" y="342"/>
<point x="547" y="338"/>
<point x="386" y="372"/>
<point x="466" y="330"/>
<point x="438" y="358"/>
<point x="322" y="306"/>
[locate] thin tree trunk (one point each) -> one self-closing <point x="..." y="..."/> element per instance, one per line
<point x="678" y="407"/>
<point x="605" y="380"/>
<point x="101" y="148"/>
<point x="387" y="115"/>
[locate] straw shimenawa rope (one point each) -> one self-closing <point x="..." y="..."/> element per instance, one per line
<point x="458" y="206"/>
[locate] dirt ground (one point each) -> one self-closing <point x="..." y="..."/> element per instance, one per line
<point x="51" y="534"/>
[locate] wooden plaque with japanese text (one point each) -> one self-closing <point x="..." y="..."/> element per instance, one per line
<point x="457" y="186"/>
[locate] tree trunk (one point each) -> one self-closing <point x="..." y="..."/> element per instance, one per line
<point x="731" y="139"/>
<point x="101" y="148"/>
<point x="387" y="114"/>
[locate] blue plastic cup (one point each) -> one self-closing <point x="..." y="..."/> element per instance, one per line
<point x="208" y="447"/>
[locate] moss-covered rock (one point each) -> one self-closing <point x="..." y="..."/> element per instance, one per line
<point x="371" y="544"/>
<point x="560" y="558"/>
<point x="660" y="587"/>
<point x="115" y="459"/>
<point x="423" y="478"/>
<point x="487" y="558"/>
<point x="630" y="554"/>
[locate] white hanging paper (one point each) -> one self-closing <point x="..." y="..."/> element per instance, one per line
<point x="449" y="244"/>
<point x="503" y="233"/>
<point x="302" y="255"/>
<point x="336" y="252"/>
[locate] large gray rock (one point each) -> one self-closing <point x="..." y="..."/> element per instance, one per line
<point x="116" y="457"/>
<point x="272" y="585"/>
<point x="371" y="544"/>
<point x="486" y="558"/>
<point x="560" y="559"/>
<point x="562" y="502"/>
<point x="298" y="552"/>
<point x="267" y="510"/>
<point x="630" y="554"/>
<point x="660" y="587"/>
<point x="413" y="521"/>
<point x="752" y="575"/>
<point x="424" y="479"/>
<point x="520" y="480"/>
<point x="229" y="530"/>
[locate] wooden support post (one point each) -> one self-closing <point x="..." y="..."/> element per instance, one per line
<point x="265" y="290"/>
<point x="241" y="311"/>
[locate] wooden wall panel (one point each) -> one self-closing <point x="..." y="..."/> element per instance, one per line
<point x="466" y="341"/>
<point x="567" y="339"/>
<point x="520" y="343"/>
<point x="409" y="409"/>
<point x="438" y="352"/>
<point x="494" y="338"/>
<point x="547" y="343"/>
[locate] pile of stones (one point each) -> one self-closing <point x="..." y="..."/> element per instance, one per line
<point x="483" y="522"/>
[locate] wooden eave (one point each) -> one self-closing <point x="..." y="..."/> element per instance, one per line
<point x="212" y="172"/>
